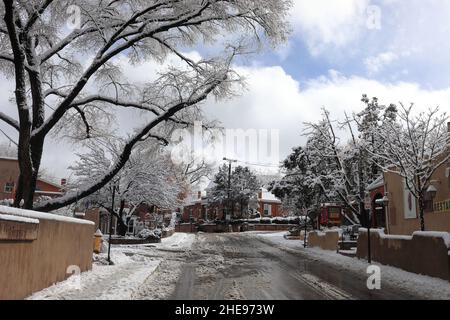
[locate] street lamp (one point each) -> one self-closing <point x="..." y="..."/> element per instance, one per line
<point x="432" y="191"/>
<point x="111" y="223"/>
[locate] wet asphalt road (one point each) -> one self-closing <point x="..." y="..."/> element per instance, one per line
<point x="240" y="266"/>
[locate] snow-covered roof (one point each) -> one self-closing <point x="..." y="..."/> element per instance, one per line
<point x="268" y="196"/>
<point x="50" y="182"/>
<point x="48" y="192"/>
<point x="379" y="182"/>
<point x="210" y="186"/>
<point x="192" y="199"/>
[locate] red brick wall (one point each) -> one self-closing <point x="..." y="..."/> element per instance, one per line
<point x="9" y="171"/>
<point x="276" y="208"/>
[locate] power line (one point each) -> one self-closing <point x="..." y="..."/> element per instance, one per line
<point x="260" y="164"/>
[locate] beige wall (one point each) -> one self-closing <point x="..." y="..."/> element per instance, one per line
<point x="434" y="221"/>
<point x="325" y="240"/>
<point x="30" y="266"/>
<point x="422" y="253"/>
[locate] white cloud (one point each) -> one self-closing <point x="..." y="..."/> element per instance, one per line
<point x="328" y="23"/>
<point x="377" y="63"/>
<point x="275" y="100"/>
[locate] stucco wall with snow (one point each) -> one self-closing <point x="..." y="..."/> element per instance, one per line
<point x="424" y="253"/>
<point x="325" y="240"/>
<point x="27" y="266"/>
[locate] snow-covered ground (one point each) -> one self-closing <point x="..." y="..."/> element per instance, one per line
<point x="425" y="286"/>
<point x="134" y="273"/>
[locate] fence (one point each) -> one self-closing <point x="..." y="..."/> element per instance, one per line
<point x="424" y="253"/>
<point x="36" y="250"/>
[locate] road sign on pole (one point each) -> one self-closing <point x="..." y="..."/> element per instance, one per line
<point x="367" y="202"/>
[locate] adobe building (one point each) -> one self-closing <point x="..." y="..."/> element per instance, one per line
<point x="400" y="214"/>
<point x="377" y="192"/>
<point x="9" y="173"/>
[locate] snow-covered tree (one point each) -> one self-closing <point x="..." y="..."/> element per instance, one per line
<point x="244" y="186"/>
<point x="416" y="146"/>
<point x="326" y="169"/>
<point x="147" y="178"/>
<point x="66" y="60"/>
<point x="329" y="165"/>
<point x="195" y="170"/>
<point x="297" y="193"/>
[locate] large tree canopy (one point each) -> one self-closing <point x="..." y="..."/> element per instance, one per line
<point x="65" y="58"/>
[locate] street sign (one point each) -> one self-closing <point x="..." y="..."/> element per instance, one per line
<point x="367" y="202"/>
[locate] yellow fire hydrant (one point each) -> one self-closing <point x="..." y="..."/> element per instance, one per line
<point x="98" y="241"/>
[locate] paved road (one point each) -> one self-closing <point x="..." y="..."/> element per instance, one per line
<point x="239" y="266"/>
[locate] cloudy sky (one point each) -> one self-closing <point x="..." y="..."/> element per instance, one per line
<point x="396" y="50"/>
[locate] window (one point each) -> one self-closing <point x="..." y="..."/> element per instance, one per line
<point x="9" y="187"/>
<point x="267" y="210"/>
<point x="131" y="223"/>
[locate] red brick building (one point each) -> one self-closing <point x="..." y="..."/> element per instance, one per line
<point x="199" y="208"/>
<point x="9" y="172"/>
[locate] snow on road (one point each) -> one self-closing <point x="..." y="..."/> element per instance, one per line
<point x="133" y="276"/>
<point x="425" y="286"/>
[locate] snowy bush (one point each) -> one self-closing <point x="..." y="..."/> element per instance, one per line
<point x="147" y="233"/>
<point x="265" y="221"/>
<point x="7" y="202"/>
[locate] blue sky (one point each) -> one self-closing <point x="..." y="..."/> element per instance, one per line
<point x="408" y="43"/>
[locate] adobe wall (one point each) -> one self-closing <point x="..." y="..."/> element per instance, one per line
<point x="325" y="240"/>
<point x="424" y="253"/>
<point x="37" y="248"/>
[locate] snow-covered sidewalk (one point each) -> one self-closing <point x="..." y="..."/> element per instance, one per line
<point x="133" y="266"/>
<point x="425" y="286"/>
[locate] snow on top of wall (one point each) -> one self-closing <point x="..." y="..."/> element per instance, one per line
<point x="386" y="236"/>
<point x="435" y="234"/>
<point x="40" y="215"/>
<point x="8" y="158"/>
<point x="7" y="217"/>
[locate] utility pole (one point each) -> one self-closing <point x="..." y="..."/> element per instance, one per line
<point x="230" y="208"/>
<point x="306" y="228"/>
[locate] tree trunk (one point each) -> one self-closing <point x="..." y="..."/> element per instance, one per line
<point x="242" y="208"/>
<point x="122" y="228"/>
<point x="421" y="212"/>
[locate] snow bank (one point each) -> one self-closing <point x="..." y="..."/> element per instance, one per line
<point x="6" y="217"/>
<point x="120" y="281"/>
<point x="424" y="286"/>
<point x="40" y="215"/>
<point x="178" y="240"/>
<point x="147" y="233"/>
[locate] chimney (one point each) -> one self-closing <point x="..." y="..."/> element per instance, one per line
<point x="63" y="182"/>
